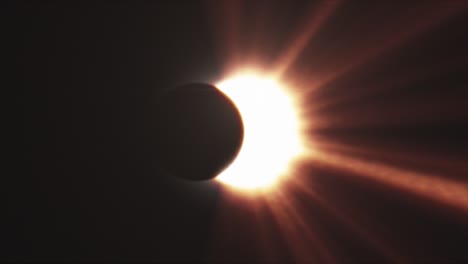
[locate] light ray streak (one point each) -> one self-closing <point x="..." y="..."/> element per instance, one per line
<point x="425" y="161"/>
<point x="360" y="90"/>
<point x="266" y="242"/>
<point x="282" y="206"/>
<point x="390" y="42"/>
<point x="401" y="111"/>
<point x="394" y="113"/>
<point x="345" y="218"/>
<point x="431" y="187"/>
<point x="302" y="241"/>
<point x="315" y="21"/>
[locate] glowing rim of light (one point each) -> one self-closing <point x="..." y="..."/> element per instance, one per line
<point x="272" y="138"/>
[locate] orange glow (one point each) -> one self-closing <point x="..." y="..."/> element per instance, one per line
<point x="431" y="187"/>
<point x="271" y="132"/>
<point x="326" y="64"/>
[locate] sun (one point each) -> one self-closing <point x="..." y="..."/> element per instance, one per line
<point x="271" y="132"/>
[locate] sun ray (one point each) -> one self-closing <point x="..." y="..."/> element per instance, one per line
<point x="305" y="35"/>
<point x="360" y="89"/>
<point x="398" y="154"/>
<point x="345" y="218"/>
<point x="301" y="235"/>
<point x="445" y="108"/>
<point x="431" y="187"/>
<point x="407" y="28"/>
<point x="311" y="75"/>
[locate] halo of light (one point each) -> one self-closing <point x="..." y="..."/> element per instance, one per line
<point x="271" y="132"/>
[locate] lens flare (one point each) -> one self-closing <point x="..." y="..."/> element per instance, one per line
<point x="271" y="132"/>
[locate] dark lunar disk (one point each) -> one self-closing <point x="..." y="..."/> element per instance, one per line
<point x="199" y="131"/>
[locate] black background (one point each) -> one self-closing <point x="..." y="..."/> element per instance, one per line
<point x="88" y="187"/>
<point x="91" y="73"/>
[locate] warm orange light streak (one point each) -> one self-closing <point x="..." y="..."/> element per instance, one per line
<point x="265" y="231"/>
<point x="346" y="218"/>
<point x="358" y="89"/>
<point x="398" y="153"/>
<point x="305" y="35"/>
<point x="406" y="30"/>
<point x="243" y="214"/>
<point x="432" y="109"/>
<point x="428" y="186"/>
<point x="301" y="235"/>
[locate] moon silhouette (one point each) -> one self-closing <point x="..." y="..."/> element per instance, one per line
<point x="199" y="131"/>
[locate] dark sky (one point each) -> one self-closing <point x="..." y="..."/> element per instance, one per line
<point x="89" y="187"/>
<point x="92" y="190"/>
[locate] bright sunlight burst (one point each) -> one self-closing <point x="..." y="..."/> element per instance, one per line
<point x="271" y="132"/>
